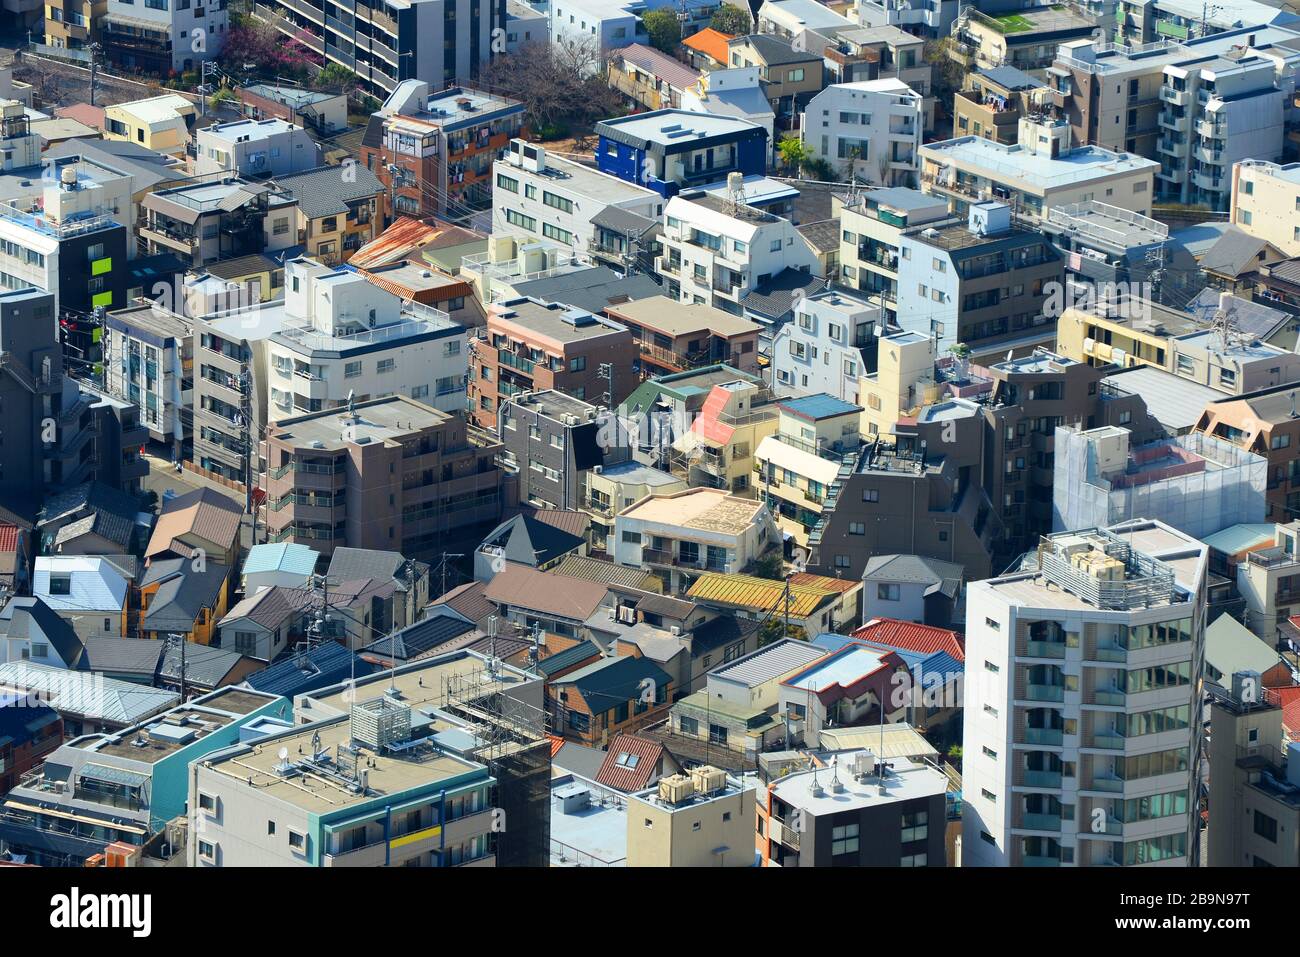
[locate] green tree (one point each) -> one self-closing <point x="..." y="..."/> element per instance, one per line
<point x="335" y="76"/>
<point x="770" y="566"/>
<point x="732" y="19"/>
<point x="662" y="28"/>
<point x="947" y="74"/>
<point x="794" y="153"/>
<point x="819" y="169"/>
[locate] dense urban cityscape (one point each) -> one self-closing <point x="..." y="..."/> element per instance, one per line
<point x="649" y="433"/>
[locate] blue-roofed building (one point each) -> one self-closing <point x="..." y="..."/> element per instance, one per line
<point x="671" y="150"/>
<point x="326" y="664"/>
<point x="284" y="563"/>
<point x="127" y="785"/>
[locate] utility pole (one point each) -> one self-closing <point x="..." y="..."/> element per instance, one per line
<point x="94" y="49"/>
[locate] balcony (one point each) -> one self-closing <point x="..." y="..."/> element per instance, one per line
<point x="1110" y="740"/>
<point x="1032" y="860"/>
<point x="1042" y="779"/>
<point x="1180" y="124"/>
<point x="1044" y="649"/>
<point x="1041" y="822"/>
<point x="1176" y="97"/>
<point x="1044" y="692"/>
<point x="1048" y="736"/>
<point x="519" y="363"/>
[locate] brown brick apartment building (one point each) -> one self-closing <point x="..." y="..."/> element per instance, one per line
<point x="394" y="474"/>
<point x="531" y="345"/>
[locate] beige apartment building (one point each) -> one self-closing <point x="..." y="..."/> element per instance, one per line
<point x="703" y="818"/>
<point x="1254" y="780"/>
<point x="993" y="99"/>
<point x="676" y="336"/>
<point x="390" y="474"/>
<point x="904" y="379"/>
<point x="1266" y="203"/>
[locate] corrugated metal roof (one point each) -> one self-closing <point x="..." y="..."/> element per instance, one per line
<point x="1240" y="538"/>
<point x="897" y="740"/>
<point x="760" y="594"/>
<point x="910" y="636"/>
<point x="629" y="763"/>
<point x="90" y="695"/>
<point x="611" y="573"/>
<point x="768" y="663"/>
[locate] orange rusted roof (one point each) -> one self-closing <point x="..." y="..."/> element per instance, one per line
<point x="710" y="42"/>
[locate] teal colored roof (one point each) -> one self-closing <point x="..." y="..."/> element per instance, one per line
<point x="284" y="557"/>
<point x="1238" y="538"/>
<point x="822" y="406"/>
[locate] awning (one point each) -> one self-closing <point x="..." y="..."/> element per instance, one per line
<point x="107" y="775"/>
<point x="134" y="23"/>
<point x="98" y="822"/>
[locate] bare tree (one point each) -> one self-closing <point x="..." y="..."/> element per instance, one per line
<point x="563" y="85"/>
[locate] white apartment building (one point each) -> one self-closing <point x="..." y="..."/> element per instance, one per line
<point x="608" y="26"/>
<point x="932" y="19"/>
<point x="1083" y="714"/>
<point x="1266" y="202"/>
<point x="161" y="35"/>
<point x="870" y="129"/>
<point x="149" y="361"/>
<point x="343" y="337"/>
<point x="537" y="195"/>
<point x="1216" y="112"/>
<point x="737" y="93"/>
<point x="255" y="148"/>
<point x="1042" y="171"/>
<point x="716" y="251"/>
<point x="789" y="18"/>
<point x="679" y="535"/>
<point x="825" y="349"/>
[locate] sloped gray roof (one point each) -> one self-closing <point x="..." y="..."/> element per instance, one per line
<point x="530" y="542"/>
<point x="204" y="665"/>
<point x="359" y="564"/>
<point x="623" y="221"/>
<point x="137" y="656"/>
<point x="1234" y="252"/>
<point x="183" y="594"/>
<point x="914" y="568"/>
<point x="31" y="619"/>
<point x="774" y="50"/>
<point x="326" y="190"/>
<point x="775" y="297"/>
<point x="673" y="72"/>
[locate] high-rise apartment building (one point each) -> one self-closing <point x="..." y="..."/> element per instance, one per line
<point x="1083" y="727"/>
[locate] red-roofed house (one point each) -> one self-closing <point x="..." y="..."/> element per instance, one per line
<point x="634" y="763"/>
<point x="908" y="636"/>
<point x="15" y="558"/>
